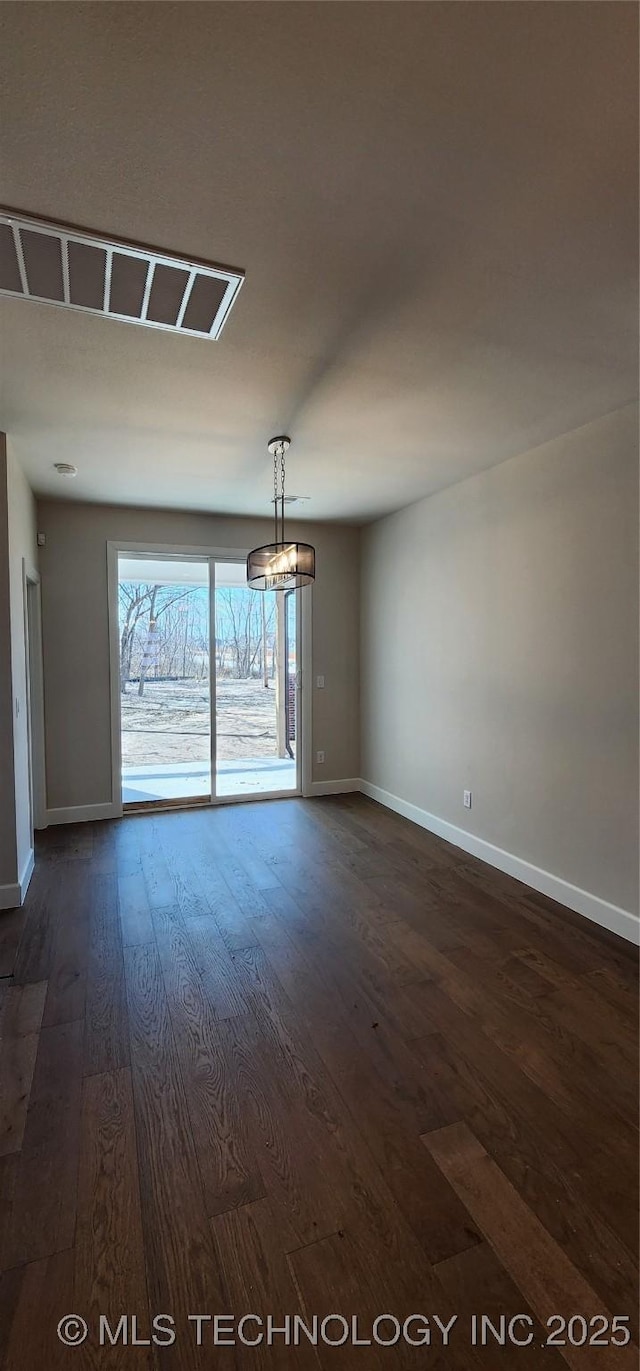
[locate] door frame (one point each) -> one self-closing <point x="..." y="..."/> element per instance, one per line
<point x="211" y="555"/>
<point x="34" y="677"/>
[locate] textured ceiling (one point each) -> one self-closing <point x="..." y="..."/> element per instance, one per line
<point x="434" y="204"/>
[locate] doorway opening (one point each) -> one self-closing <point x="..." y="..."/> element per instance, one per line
<point x="208" y="682"/>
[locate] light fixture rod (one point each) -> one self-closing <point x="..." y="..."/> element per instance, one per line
<point x="279" y="565"/>
<point x="278" y="447"/>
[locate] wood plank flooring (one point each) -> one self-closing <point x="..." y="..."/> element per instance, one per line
<point x="302" y="1058"/>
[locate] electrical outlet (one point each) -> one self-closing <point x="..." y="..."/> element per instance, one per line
<point x="466" y="799"/>
<point x="320" y="682"/>
<point x="319" y="756"/>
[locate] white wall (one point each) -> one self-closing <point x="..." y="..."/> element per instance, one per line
<point x="499" y="653"/>
<point x="76" y="639"/>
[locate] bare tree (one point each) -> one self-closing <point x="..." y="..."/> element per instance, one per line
<point x="165" y="632"/>
<point x="245" y="634"/>
<point x="138" y="602"/>
<point x="133" y="600"/>
<point x="148" y="654"/>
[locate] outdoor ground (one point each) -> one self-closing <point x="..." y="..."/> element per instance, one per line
<point x="171" y="721"/>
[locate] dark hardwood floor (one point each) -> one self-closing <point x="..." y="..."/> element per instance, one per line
<point x="302" y="1057"/>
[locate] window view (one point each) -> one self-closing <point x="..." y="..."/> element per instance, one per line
<point x="255" y="685"/>
<point x="164" y="679"/>
<point x="165" y="682"/>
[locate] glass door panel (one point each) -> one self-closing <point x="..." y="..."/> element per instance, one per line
<point x="165" y="697"/>
<point x="255" y="686"/>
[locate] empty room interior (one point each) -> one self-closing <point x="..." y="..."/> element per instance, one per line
<point x="319" y="685"/>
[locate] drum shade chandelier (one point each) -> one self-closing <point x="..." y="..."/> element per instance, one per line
<point x="280" y="565"/>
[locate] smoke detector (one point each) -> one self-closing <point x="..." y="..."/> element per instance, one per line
<point x="65" y="469"/>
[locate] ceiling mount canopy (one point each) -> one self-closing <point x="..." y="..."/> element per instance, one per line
<point x="280" y="565"/>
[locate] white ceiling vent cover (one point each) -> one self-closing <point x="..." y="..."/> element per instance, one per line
<point x="60" y="265"/>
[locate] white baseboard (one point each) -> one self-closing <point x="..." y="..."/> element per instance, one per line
<point x="610" y="916"/>
<point x="10" y="896"/>
<point x="80" y="814"/>
<point x="334" y="787"/>
<point x="27" y="873"/>
<point x="13" y="894"/>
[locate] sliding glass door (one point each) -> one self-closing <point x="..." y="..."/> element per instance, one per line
<point x="208" y="682"/>
<point x="256" y="686"/>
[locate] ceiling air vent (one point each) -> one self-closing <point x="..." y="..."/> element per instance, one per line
<point x="61" y="265"/>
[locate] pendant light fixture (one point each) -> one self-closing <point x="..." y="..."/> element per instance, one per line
<point x="280" y="565"/>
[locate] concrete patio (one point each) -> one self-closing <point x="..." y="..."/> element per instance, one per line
<point x="145" y="784"/>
